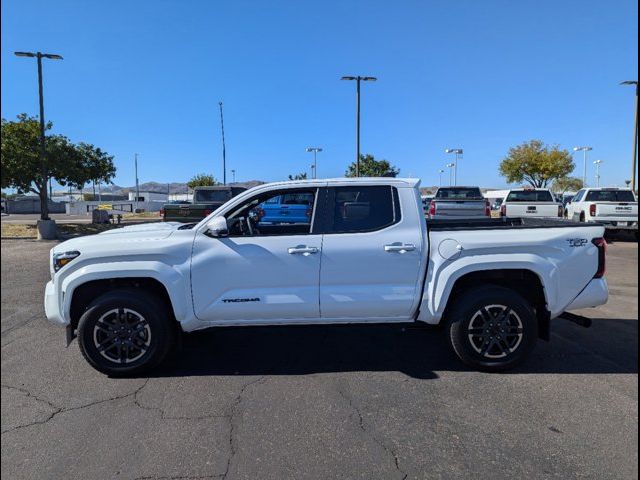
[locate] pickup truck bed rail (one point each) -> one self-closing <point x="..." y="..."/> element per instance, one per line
<point x="504" y="223"/>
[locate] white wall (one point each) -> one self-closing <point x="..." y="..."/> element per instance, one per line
<point x="85" y="208"/>
<point x="149" y="196"/>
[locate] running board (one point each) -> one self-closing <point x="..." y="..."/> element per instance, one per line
<point x="577" y="319"/>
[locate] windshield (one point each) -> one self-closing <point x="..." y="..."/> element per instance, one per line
<point x="212" y="195"/>
<point x="610" y="196"/>
<point x="530" y="196"/>
<point x="460" y="193"/>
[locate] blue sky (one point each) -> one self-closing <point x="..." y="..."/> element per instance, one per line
<point x="147" y="76"/>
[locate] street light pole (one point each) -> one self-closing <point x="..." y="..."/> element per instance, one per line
<point x="584" y="151"/>
<point x="597" y="164"/>
<point x="358" y="79"/>
<point x="137" y="183"/>
<point x="634" y="160"/>
<point x="440" y="172"/>
<point x="224" y="151"/>
<point x="450" y="165"/>
<point x="43" y="167"/>
<point x="314" y="167"/>
<point x="233" y="175"/>
<point x="458" y="152"/>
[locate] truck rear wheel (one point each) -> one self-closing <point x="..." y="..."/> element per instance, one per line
<point x="492" y="328"/>
<point x="125" y="333"/>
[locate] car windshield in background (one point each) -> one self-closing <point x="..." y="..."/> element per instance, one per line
<point x="610" y="196"/>
<point x="212" y="195"/>
<point x="459" y="193"/>
<point x="530" y="196"/>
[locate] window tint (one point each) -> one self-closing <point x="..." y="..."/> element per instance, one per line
<point x="530" y="196"/>
<point x="610" y="196"/>
<point x="274" y="213"/>
<point x="460" y="193"/>
<point x="363" y="209"/>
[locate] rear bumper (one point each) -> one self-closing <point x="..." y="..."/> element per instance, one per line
<point x="52" y="305"/>
<point x="617" y="223"/>
<point x="595" y="294"/>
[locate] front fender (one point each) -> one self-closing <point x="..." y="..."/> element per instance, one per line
<point x="174" y="281"/>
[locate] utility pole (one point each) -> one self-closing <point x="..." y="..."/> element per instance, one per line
<point x="43" y="166"/>
<point x="634" y="159"/>
<point x="224" y="153"/>
<point x="137" y="182"/>
<point x="358" y="79"/>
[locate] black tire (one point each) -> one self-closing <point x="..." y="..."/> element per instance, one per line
<point x="506" y="338"/>
<point x="121" y="312"/>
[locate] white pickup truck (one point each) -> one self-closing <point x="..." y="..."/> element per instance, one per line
<point x="530" y="202"/>
<point x="365" y="254"/>
<point x="615" y="208"/>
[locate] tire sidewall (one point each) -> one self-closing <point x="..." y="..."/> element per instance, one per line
<point x="143" y="304"/>
<point x="474" y="300"/>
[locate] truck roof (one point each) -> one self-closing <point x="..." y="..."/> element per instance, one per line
<point x="398" y="182"/>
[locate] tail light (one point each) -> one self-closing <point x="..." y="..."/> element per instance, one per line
<point x="162" y="212"/>
<point x="503" y="210"/>
<point x="207" y="212"/>
<point x="432" y="209"/>
<point x="601" y="243"/>
<point x="592" y="209"/>
<point x="560" y="211"/>
<point x="487" y="208"/>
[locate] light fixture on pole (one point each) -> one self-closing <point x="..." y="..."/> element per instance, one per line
<point x="634" y="160"/>
<point x="314" y="167"/>
<point x="597" y="164"/>
<point x="584" y="150"/>
<point x="43" y="194"/>
<point x="358" y="79"/>
<point x="440" y="172"/>
<point x="450" y="166"/>
<point x="458" y="152"/>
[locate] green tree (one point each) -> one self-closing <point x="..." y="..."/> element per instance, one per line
<point x="299" y="176"/>
<point x="370" y="167"/>
<point x="64" y="161"/>
<point x="202" y="180"/>
<point x="561" y="185"/>
<point x="536" y="163"/>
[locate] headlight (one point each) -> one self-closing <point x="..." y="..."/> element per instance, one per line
<point x="61" y="259"/>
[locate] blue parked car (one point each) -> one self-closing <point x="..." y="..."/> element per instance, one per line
<point x="287" y="208"/>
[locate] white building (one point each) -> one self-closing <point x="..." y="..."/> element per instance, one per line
<point x="148" y="197"/>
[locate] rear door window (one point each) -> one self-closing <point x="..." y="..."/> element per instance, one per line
<point x="362" y="208"/>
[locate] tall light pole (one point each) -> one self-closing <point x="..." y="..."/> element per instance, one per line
<point x="314" y="167"/>
<point x="584" y="150"/>
<point x="634" y="160"/>
<point x="597" y="164"/>
<point x="233" y="175"/>
<point x="137" y="182"/>
<point x="43" y="194"/>
<point x="224" y="151"/>
<point x="358" y="79"/>
<point x="458" y="152"/>
<point x="451" y="166"/>
<point x="440" y="172"/>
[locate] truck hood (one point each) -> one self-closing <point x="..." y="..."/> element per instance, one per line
<point x="118" y="236"/>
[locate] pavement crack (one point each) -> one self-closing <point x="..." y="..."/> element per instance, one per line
<point x="361" y="425"/>
<point x="58" y="410"/>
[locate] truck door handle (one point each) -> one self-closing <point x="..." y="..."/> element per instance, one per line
<point x="400" y="247"/>
<point x="302" y="250"/>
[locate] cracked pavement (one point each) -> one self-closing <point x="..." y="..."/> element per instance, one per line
<point x="370" y="402"/>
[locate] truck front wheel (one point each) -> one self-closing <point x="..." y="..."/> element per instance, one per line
<point x="492" y="328"/>
<point x="125" y="333"/>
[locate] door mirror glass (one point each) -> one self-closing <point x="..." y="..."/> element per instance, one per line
<point x="217" y="227"/>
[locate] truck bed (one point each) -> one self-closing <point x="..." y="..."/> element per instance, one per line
<point x="505" y="223"/>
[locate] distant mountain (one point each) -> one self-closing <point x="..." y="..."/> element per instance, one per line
<point x="174" y="187"/>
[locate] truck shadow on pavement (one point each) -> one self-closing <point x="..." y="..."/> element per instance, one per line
<point x="610" y="346"/>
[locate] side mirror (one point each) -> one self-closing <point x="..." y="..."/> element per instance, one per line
<point x="217" y="227"/>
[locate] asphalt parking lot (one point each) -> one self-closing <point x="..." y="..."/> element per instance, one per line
<point x="372" y="402"/>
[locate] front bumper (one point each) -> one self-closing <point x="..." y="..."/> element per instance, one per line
<point x="52" y="305"/>
<point x="596" y="293"/>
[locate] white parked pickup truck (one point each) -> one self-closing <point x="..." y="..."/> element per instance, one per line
<point x="530" y="202"/>
<point x="365" y="254"/>
<point x="616" y="209"/>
